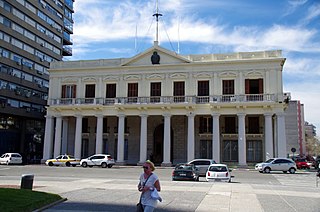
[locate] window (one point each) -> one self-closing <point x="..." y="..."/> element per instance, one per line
<point x="90" y="93"/>
<point x="205" y="125"/>
<point x="254" y="151"/>
<point x="254" y="86"/>
<point x="253" y="125"/>
<point x="155" y="91"/>
<point x="178" y="91"/>
<point x="110" y="93"/>
<point x="68" y="91"/>
<point x="228" y="90"/>
<point x="230" y="124"/>
<point x="230" y="151"/>
<point x="203" y="92"/>
<point x="205" y="151"/>
<point x="227" y="87"/>
<point x="132" y="92"/>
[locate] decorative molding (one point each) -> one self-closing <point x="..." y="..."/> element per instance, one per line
<point x="155" y="76"/>
<point x="203" y="75"/>
<point x="228" y="74"/>
<point x="69" y="80"/>
<point x="89" y="79"/>
<point x="132" y="77"/>
<point x="178" y="76"/>
<point x="254" y="74"/>
<point x="111" y="78"/>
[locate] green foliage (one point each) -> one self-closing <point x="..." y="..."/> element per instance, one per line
<point x="24" y="200"/>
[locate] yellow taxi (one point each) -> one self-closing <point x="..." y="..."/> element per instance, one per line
<point x="67" y="160"/>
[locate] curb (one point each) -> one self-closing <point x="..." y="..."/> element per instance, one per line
<point x="50" y="205"/>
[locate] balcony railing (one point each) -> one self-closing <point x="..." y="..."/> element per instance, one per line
<point x="165" y="100"/>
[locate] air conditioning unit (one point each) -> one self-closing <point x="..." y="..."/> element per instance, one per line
<point x="41" y="44"/>
<point x="18" y="63"/>
<point x="43" y="5"/>
<point x="40" y="72"/>
<point x="41" y="59"/>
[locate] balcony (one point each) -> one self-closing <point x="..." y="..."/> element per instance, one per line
<point x="166" y="100"/>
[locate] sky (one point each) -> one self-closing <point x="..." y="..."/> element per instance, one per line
<point x="123" y="28"/>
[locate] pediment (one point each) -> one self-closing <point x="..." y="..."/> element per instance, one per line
<point x="155" y="56"/>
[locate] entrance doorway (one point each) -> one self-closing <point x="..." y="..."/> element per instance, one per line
<point x="157" y="154"/>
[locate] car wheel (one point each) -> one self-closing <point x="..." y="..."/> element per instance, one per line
<point x="73" y="165"/>
<point x="229" y="180"/>
<point x="109" y="166"/>
<point x="104" y="165"/>
<point x="261" y="171"/>
<point x="68" y="164"/>
<point x="284" y="172"/>
<point x="292" y="170"/>
<point x="84" y="164"/>
<point x="267" y="170"/>
<point x="90" y="166"/>
<point x="50" y="164"/>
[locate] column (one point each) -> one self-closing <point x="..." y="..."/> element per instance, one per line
<point x="281" y="135"/>
<point x="48" y="136"/>
<point x="120" y="151"/>
<point x="242" y="139"/>
<point x="143" y="138"/>
<point x="190" y="150"/>
<point x="215" y="137"/>
<point x="64" y="142"/>
<point x="166" y="141"/>
<point x="78" y="137"/>
<point x="57" y="138"/>
<point x="99" y="134"/>
<point x="268" y="137"/>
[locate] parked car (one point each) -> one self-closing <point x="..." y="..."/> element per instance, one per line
<point x="277" y="164"/>
<point x="202" y="165"/>
<point x="218" y="172"/>
<point x="11" y="158"/>
<point x="185" y="172"/>
<point x="311" y="161"/>
<point x="302" y="163"/>
<point x="67" y="160"/>
<point x="102" y="160"/>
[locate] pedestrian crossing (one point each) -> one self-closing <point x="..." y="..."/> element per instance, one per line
<point x="299" y="179"/>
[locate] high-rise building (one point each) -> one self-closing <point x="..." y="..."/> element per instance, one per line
<point x="33" y="33"/>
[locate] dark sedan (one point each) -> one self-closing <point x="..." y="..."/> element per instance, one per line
<point x="185" y="172"/>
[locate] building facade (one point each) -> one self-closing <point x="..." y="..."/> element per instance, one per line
<point x="33" y="34"/>
<point x="295" y="129"/>
<point x="169" y="108"/>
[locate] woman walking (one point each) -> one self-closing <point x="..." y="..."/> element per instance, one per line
<point x="148" y="184"/>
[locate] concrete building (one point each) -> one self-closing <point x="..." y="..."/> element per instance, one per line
<point x="170" y="108"/>
<point x="32" y="35"/>
<point x="295" y="129"/>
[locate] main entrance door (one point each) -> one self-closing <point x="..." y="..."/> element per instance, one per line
<point x="157" y="155"/>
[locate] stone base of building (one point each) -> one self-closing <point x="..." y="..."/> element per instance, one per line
<point x="166" y="164"/>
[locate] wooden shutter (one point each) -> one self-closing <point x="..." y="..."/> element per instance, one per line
<point x="63" y="91"/>
<point x="260" y="86"/>
<point x="247" y="86"/>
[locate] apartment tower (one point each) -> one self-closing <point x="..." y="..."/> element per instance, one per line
<point x="33" y="33"/>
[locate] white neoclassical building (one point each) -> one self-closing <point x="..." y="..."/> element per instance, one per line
<point x="169" y="108"/>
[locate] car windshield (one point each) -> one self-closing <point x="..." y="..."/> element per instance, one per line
<point x="218" y="168"/>
<point x="301" y="160"/>
<point x="71" y="156"/>
<point x="183" y="167"/>
<point x="269" y="161"/>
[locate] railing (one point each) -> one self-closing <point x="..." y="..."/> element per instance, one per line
<point x="165" y="100"/>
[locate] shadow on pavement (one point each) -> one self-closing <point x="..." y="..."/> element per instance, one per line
<point x="79" y="206"/>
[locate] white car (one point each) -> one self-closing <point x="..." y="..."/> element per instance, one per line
<point x="277" y="164"/>
<point x="102" y="160"/>
<point x="218" y="172"/>
<point x="11" y="158"/>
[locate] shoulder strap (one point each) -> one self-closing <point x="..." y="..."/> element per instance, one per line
<point x="146" y="180"/>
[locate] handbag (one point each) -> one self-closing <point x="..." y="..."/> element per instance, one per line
<point x="139" y="207"/>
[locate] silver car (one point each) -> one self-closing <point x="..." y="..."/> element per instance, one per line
<point x="202" y="165"/>
<point x="277" y="164"/>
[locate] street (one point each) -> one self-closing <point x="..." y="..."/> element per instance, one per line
<point x="97" y="189"/>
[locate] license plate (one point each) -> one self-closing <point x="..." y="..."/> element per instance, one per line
<point x="183" y="174"/>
